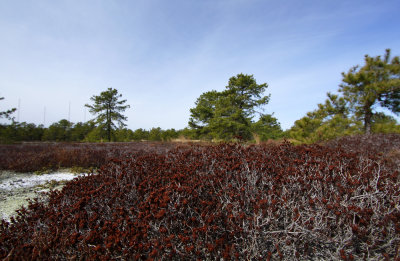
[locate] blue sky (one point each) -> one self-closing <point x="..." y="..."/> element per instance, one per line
<point x="162" y="55"/>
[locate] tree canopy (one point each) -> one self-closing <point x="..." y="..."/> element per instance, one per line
<point x="108" y="107"/>
<point x="364" y="90"/>
<point x="377" y="82"/>
<point x="59" y="131"/>
<point x="229" y="114"/>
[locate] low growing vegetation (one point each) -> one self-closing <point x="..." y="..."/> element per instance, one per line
<point x="45" y="157"/>
<point x="308" y="202"/>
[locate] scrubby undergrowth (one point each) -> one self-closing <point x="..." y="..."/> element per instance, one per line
<point x="226" y="201"/>
<point x="45" y="156"/>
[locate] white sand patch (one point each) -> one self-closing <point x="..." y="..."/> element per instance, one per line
<point x="27" y="181"/>
<point x="17" y="188"/>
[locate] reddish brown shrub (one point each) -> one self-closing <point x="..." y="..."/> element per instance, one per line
<point x="28" y="157"/>
<point x="225" y="201"/>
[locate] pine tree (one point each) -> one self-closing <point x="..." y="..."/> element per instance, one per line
<point x="377" y="82"/>
<point x="108" y="108"/>
<point x="229" y="114"/>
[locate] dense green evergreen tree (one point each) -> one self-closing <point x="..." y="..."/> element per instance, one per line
<point x="96" y="135"/>
<point x="188" y="133"/>
<point x="58" y="131"/>
<point x="30" y="131"/>
<point x="140" y="134"/>
<point x="108" y="109"/>
<point x="80" y="130"/>
<point x="123" y="134"/>
<point x="364" y="89"/>
<point x="267" y="127"/>
<point x="331" y="119"/>
<point x="23" y="131"/>
<point x="169" y="134"/>
<point x="230" y="121"/>
<point x="229" y="114"/>
<point x="382" y="123"/>
<point x="155" y="134"/>
<point x="377" y="82"/>
<point x="7" y="133"/>
<point x="203" y="113"/>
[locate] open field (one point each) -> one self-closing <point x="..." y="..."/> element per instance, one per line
<point x="309" y="202"/>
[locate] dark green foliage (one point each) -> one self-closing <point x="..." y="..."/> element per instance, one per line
<point x="66" y="131"/>
<point x="203" y="112"/>
<point x="80" y="130"/>
<point x="62" y="130"/>
<point x="188" y="133"/>
<point x="331" y="119"/>
<point x="20" y="132"/>
<point x="140" y="134"/>
<point x="96" y="135"/>
<point x="155" y="134"/>
<point x="377" y="82"/>
<point x="364" y="89"/>
<point x="382" y="123"/>
<point x="59" y="131"/>
<point x="229" y="114"/>
<point x="108" y="109"/>
<point x="29" y="131"/>
<point x="123" y="134"/>
<point x="169" y="135"/>
<point x="267" y="127"/>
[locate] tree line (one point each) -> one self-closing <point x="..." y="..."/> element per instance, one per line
<point x="238" y="112"/>
<point x="66" y="131"/>
<point x="363" y="97"/>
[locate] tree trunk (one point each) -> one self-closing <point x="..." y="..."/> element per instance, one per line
<point x="367" y="120"/>
<point x="108" y="125"/>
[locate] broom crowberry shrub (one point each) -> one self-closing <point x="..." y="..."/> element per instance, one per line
<point x="226" y="201"/>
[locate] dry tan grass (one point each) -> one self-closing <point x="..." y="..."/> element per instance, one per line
<point x="393" y="156"/>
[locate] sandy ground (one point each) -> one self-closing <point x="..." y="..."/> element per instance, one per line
<point x="17" y="188"/>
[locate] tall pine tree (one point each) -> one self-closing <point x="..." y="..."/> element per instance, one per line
<point x="108" y="108"/>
